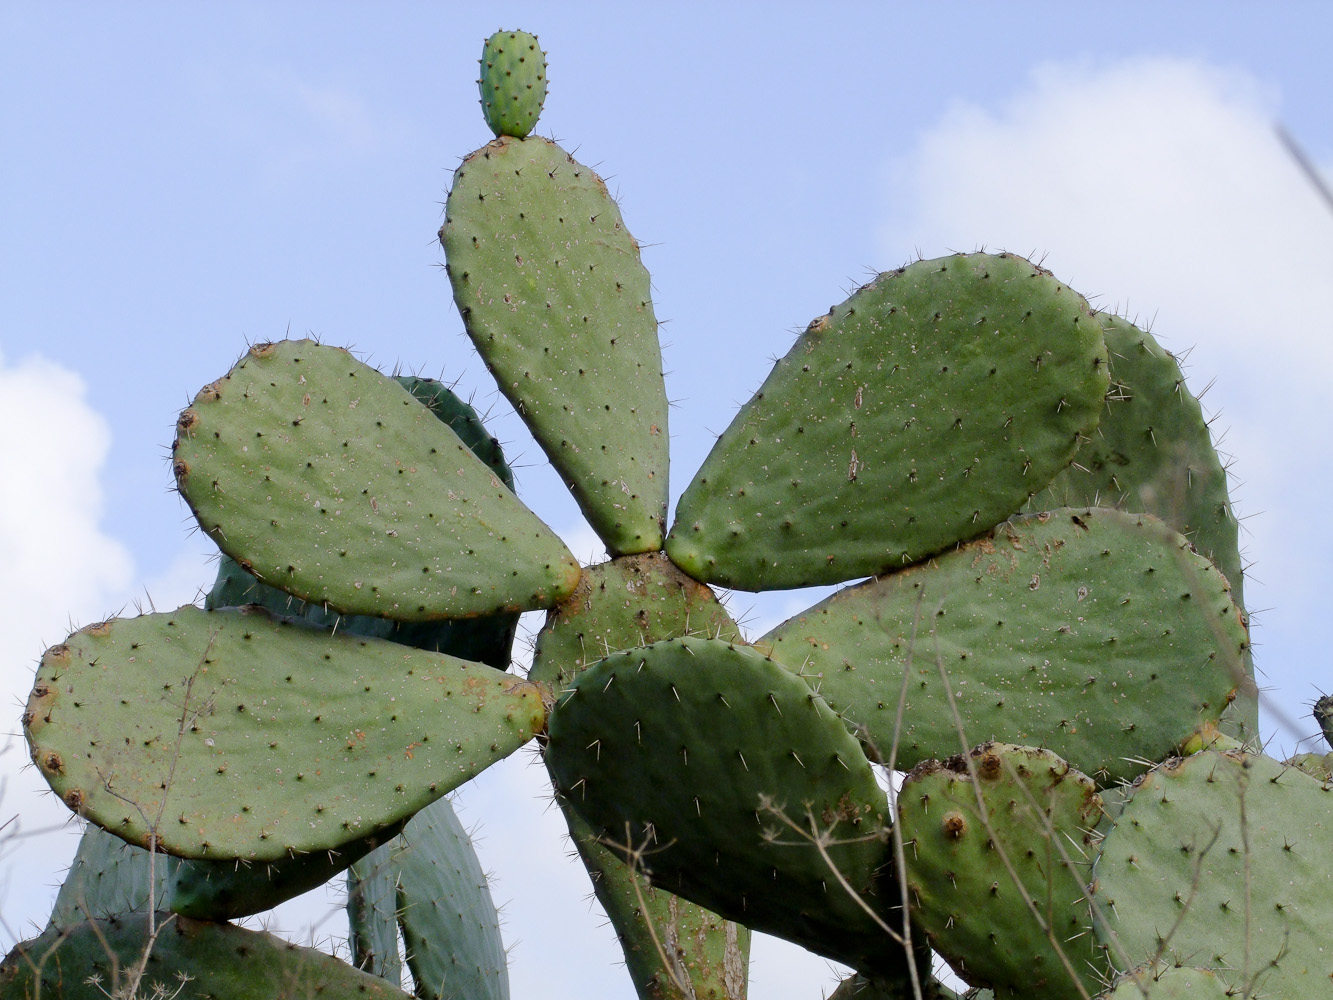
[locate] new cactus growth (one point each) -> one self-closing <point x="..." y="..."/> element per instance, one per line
<point x="1044" y="605"/>
<point x="512" y="83"/>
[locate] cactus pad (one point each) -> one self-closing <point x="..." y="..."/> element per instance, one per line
<point x="89" y="962"/>
<point x="1219" y="860"/>
<point x="110" y="878"/>
<point x="330" y="481"/>
<point x="1317" y="765"/>
<point x="513" y="82"/>
<point x="372" y="914"/>
<point x="686" y="755"/>
<point x="973" y="825"/>
<point x="235" y="735"/>
<point x="674" y="949"/>
<point x="1093" y="633"/>
<point x="1171" y="983"/>
<point x="225" y="890"/>
<point x="451" y="931"/>
<point x="552" y="292"/>
<point x="1152" y="453"/>
<point x="626" y="602"/>
<point x="917" y="414"/>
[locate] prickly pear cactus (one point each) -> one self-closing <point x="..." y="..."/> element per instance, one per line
<point x="1042" y="561"/>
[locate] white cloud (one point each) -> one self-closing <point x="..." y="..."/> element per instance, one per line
<point x="1160" y="187"/>
<point x="59" y="566"/>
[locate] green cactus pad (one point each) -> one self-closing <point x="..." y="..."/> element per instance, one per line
<point x="1317" y="765"/>
<point x="1219" y="860"/>
<point x="218" y="960"/>
<point x="513" y="82"/>
<point x="330" y="481"/>
<point x="462" y="419"/>
<point x="225" y="890"/>
<point x="1153" y="453"/>
<point x="1172" y="983"/>
<point x="973" y="825"/>
<point x="372" y="914"/>
<point x="110" y="878"/>
<point x="686" y="755"/>
<point x="674" y="949"/>
<point x="924" y="409"/>
<point x="553" y="294"/>
<point x="488" y="639"/>
<point x="1096" y="634"/>
<point x="451" y="931"/>
<point x="626" y="602"/>
<point x="236" y="735"/>
<point x="858" y="987"/>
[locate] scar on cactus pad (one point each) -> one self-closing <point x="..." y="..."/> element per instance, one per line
<point x="946" y="442"/>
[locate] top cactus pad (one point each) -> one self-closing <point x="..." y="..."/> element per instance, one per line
<point x="915" y="415"/>
<point x="513" y="82"/>
<point x="552" y="292"/>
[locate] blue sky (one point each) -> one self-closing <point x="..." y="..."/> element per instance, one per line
<point x="181" y="180"/>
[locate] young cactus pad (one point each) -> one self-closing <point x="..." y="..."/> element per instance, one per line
<point x="512" y="83"/>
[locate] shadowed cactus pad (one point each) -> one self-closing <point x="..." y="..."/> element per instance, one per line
<point x="674" y="949"/>
<point x="110" y="877"/>
<point x="372" y="915"/>
<point x="331" y="481"/>
<point x="917" y="414"/>
<point x="451" y="931"/>
<point x="1152" y="452"/>
<point x="219" y="960"/>
<point x="225" y="890"/>
<point x="686" y="755"/>
<point x="1323" y="714"/>
<point x="236" y="735"/>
